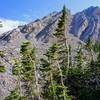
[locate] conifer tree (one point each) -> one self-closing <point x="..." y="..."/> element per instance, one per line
<point x="79" y="59"/>
<point x="61" y="34"/>
<point x="96" y="47"/>
<point x="89" y="47"/>
<point x="92" y="82"/>
<point x="63" y="62"/>
<point x="17" y="71"/>
<point x="48" y="70"/>
<point x="51" y="74"/>
<point x="26" y="72"/>
<point x="14" y="95"/>
<point x="29" y="70"/>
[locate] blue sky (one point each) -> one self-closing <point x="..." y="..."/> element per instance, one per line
<point x="28" y="10"/>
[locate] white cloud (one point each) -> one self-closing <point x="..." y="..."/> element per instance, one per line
<point x="26" y="16"/>
<point x="9" y="25"/>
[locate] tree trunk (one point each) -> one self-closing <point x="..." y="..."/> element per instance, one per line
<point x="61" y="75"/>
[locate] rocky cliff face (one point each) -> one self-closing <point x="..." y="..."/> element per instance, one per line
<point x="86" y="24"/>
<point x="83" y="25"/>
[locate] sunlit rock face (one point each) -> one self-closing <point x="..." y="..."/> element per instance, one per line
<point x="86" y="24"/>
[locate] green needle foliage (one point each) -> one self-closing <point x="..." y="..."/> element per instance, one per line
<point x="64" y="47"/>
<point x="17" y="68"/>
<point x="14" y="95"/>
<point x="2" y="68"/>
<point x="85" y="83"/>
<point x="55" y="68"/>
<point x="92" y="90"/>
<point x="25" y="71"/>
<point x="1" y="24"/>
<point x="96" y="47"/>
<point x="89" y="47"/>
<point x="49" y="72"/>
<point x="1" y="54"/>
<point x="29" y="69"/>
<point x="51" y="75"/>
<point x="79" y="59"/>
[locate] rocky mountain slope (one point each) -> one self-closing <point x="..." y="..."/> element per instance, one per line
<point x="86" y="24"/>
<point x="82" y="25"/>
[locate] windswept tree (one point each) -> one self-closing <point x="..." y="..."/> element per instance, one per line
<point x="48" y="70"/>
<point x="29" y="69"/>
<point x="79" y="59"/>
<point x="58" y="57"/>
<point x="26" y="72"/>
<point x="17" y="71"/>
<point x="53" y="89"/>
<point x="62" y="40"/>
<point x="64" y="48"/>
<point x="89" y="48"/>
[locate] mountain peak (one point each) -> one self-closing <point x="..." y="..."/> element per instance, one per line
<point x="86" y="24"/>
<point x="92" y="10"/>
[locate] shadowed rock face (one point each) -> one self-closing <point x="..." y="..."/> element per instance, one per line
<point x="83" y="25"/>
<point x="86" y="24"/>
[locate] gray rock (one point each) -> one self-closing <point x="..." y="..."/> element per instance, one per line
<point x="86" y="24"/>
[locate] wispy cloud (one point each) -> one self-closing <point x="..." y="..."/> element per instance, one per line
<point x="27" y="17"/>
<point x="9" y="24"/>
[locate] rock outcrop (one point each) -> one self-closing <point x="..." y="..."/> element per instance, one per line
<point x="86" y="24"/>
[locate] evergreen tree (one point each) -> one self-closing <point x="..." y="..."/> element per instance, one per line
<point x="89" y="47"/>
<point x="17" y="71"/>
<point x="52" y="89"/>
<point x="30" y="76"/>
<point x="92" y="79"/>
<point x="77" y="75"/>
<point x="63" y="61"/>
<point x="14" y="95"/>
<point x="62" y="55"/>
<point x="26" y="73"/>
<point x="79" y="58"/>
<point x="64" y="48"/>
<point x="48" y="70"/>
<point x="96" y="47"/>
